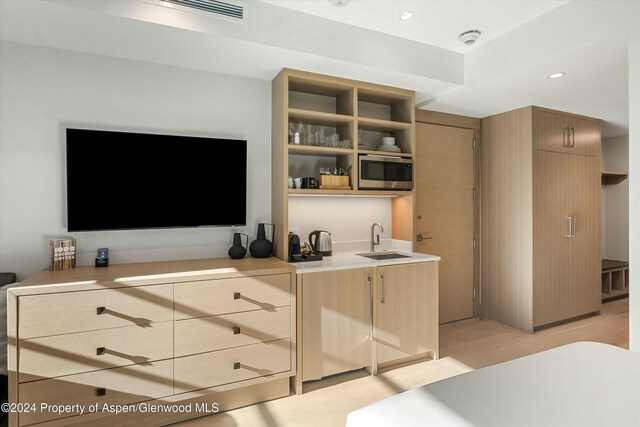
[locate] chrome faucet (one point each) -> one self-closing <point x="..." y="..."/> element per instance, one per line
<point x="377" y="241"/>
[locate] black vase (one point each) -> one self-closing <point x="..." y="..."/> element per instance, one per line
<point x="237" y="251"/>
<point x="261" y="247"/>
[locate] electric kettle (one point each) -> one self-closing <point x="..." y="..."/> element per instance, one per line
<point x="320" y="242"/>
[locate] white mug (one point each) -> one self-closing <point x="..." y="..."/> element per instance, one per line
<point x="298" y="182"/>
<point x="290" y="182"/>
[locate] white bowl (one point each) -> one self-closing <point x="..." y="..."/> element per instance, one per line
<point x="388" y="140"/>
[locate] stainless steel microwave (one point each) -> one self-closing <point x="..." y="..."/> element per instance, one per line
<point x="385" y="172"/>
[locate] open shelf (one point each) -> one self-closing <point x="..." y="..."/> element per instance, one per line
<point x="612" y="178"/>
<point x="393" y="105"/>
<point x="385" y="153"/>
<point x="316" y="150"/>
<point x="615" y="278"/>
<point x="382" y="125"/>
<point x="318" y="117"/>
<point x="357" y="193"/>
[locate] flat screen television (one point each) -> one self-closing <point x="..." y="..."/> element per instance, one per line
<point x="125" y="180"/>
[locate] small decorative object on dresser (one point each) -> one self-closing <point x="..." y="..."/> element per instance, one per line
<point x="262" y="247"/>
<point x="102" y="260"/>
<point x="62" y="254"/>
<point x="238" y="251"/>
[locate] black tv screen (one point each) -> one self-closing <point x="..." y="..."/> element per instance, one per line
<point x="124" y="180"/>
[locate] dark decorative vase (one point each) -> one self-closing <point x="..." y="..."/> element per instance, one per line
<point x="261" y="247"/>
<point x="237" y="251"/>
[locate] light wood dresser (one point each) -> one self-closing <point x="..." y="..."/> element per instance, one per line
<point x="157" y="342"/>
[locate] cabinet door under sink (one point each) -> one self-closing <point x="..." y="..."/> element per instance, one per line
<point x="336" y="322"/>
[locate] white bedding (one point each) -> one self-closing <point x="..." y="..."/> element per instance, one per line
<point x="582" y="384"/>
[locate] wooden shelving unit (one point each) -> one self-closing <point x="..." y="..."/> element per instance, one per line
<point x="613" y="178"/>
<point x="362" y="113"/>
<point x="615" y="279"/>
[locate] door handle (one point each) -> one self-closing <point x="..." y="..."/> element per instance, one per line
<point x="370" y="308"/>
<point x="420" y="238"/>
<point x="571" y="226"/>
<point x="381" y="289"/>
<point x="573" y="137"/>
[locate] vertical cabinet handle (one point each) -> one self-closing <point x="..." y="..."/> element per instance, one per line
<point x="370" y="308"/>
<point x="571" y="226"/>
<point x="566" y="137"/>
<point x="573" y="137"/>
<point x="382" y="289"/>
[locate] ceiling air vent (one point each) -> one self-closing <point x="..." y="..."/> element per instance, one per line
<point x="230" y="10"/>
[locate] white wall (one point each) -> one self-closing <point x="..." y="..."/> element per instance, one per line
<point x="45" y="90"/>
<point x="348" y="219"/>
<point x="615" y="200"/>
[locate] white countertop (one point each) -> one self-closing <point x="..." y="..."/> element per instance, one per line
<point x="346" y="260"/>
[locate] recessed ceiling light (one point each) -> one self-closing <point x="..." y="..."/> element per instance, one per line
<point x="556" y="75"/>
<point x="339" y="3"/>
<point x="406" y="15"/>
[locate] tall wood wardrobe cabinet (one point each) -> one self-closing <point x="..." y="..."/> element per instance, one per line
<point x="540" y="209"/>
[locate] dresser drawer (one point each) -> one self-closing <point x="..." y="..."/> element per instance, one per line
<point x="231" y="330"/>
<point x="228" y="366"/>
<point x="58" y="355"/>
<point x="62" y="313"/>
<point x="129" y="384"/>
<point x="223" y="296"/>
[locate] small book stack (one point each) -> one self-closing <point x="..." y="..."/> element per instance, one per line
<point x="62" y="254"/>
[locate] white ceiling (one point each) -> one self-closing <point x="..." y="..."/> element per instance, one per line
<point x="522" y="42"/>
<point x="436" y="22"/>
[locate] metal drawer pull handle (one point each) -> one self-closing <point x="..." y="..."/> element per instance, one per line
<point x="236" y="295"/>
<point x="236" y="330"/>
<point x="382" y="286"/>
<point x="236" y="365"/>
<point x="101" y="310"/>
<point x="101" y="391"/>
<point x="101" y="351"/>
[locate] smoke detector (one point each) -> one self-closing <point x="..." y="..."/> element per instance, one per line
<point x="469" y="37"/>
<point x="339" y="3"/>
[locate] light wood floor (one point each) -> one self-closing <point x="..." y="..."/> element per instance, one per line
<point x="464" y="346"/>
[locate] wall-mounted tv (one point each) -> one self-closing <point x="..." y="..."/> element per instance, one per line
<point x="125" y="180"/>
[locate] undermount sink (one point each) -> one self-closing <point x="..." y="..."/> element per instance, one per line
<point x="384" y="255"/>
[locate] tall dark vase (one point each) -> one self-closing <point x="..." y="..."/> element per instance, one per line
<point x="237" y="251"/>
<point x="262" y="247"/>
